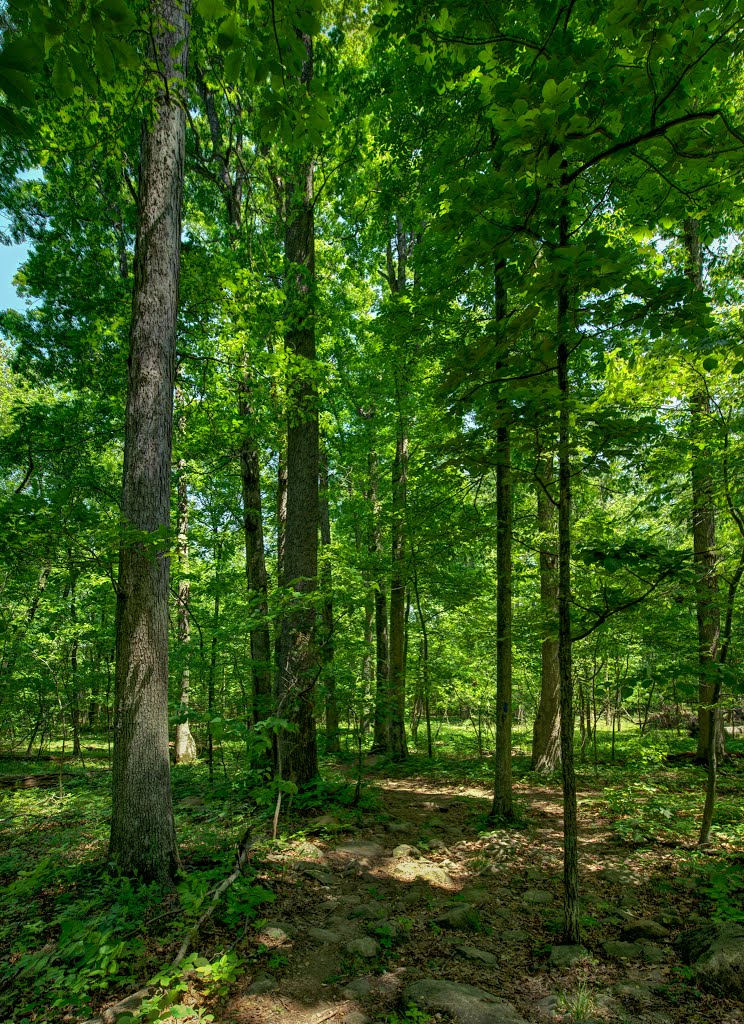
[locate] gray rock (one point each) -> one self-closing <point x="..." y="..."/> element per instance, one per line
<point x="398" y="826"/>
<point x="538" y="897"/>
<point x="644" y="929"/>
<point x="716" y="955"/>
<point x="421" y="870"/>
<point x="404" y="850"/>
<point x="567" y="956"/>
<point x="277" y="931"/>
<point x="324" y="877"/>
<point x="623" y="950"/>
<point x="472" y="894"/>
<point x="548" y="1006"/>
<point x="357" y="989"/>
<point x="369" y="912"/>
<point x="653" y="954"/>
<point x="365" y="946"/>
<point x="462" y="916"/>
<point x="436" y="844"/>
<point x="616" y="876"/>
<point x="514" y="935"/>
<point x="361" y="851"/>
<point x="632" y="992"/>
<point x="464" y="1003"/>
<point x="324" y="935"/>
<point x="474" y="953"/>
<point x="309" y="851"/>
<point x="262" y="983"/>
<point x="355" y="1017"/>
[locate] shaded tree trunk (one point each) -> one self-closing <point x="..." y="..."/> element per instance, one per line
<point x="397" y="677"/>
<point x="546" y="736"/>
<point x="502" y="806"/>
<point x="571" y="927"/>
<point x="298" y="657"/>
<point x="381" y="737"/>
<point x="711" y="733"/>
<point x="143" y="835"/>
<point x="255" y="565"/>
<point x="327" y="638"/>
<point x="185" y="746"/>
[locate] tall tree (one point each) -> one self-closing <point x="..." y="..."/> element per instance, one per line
<point x="710" y="732"/>
<point x="185" y="748"/>
<point x="143" y="835"/>
<point x="297" y="655"/>
<point x="546" y="734"/>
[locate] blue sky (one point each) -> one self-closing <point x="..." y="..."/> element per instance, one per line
<point x="11" y="256"/>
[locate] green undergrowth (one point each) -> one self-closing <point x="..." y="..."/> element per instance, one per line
<point x="74" y="932"/>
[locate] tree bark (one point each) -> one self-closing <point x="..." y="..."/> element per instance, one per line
<point x="546" y="736"/>
<point x="711" y="733"/>
<point x="185" y="745"/>
<point x="571" y="926"/>
<point x="143" y="835"/>
<point x="326" y="612"/>
<point x="397" y="678"/>
<point x="381" y="736"/>
<point x="298" y="657"/>
<point x="255" y="565"/>
<point x="503" y="806"/>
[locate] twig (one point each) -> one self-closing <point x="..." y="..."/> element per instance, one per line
<point x="132" y="1003"/>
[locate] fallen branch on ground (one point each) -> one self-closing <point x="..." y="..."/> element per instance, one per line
<point x="132" y="1003"/>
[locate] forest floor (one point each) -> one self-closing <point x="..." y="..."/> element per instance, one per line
<point x="375" y="912"/>
<point x="443" y="897"/>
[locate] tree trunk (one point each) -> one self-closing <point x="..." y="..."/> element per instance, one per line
<point x="75" y="710"/>
<point x="326" y="611"/>
<point x="503" y="806"/>
<point x="298" y="657"/>
<point x="185" y="746"/>
<point x="381" y="737"/>
<point x="255" y="564"/>
<point x="571" y="927"/>
<point x="546" y="736"/>
<point x="704" y="541"/>
<point x="397" y="678"/>
<point x="143" y="835"/>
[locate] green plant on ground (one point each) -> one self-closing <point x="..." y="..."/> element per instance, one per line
<point x="578" y="1006"/>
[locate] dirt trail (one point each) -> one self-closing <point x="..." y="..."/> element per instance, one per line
<point x="358" y="917"/>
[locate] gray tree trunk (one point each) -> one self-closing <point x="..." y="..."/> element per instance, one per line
<point x="381" y="737"/>
<point x="255" y="566"/>
<point x="704" y="543"/>
<point x="143" y="835"/>
<point x="298" y="656"/>
<point x="546" y="735"/>
<point x="326" y="611"/>
<point x="185" y="746"/>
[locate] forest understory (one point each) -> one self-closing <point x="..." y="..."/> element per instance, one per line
<point x="362" y="912"/>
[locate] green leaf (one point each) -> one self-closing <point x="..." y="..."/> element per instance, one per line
<point x="61" y="77"/>
<point x="233" y="63"/>
<point x="227" y="34"/>
<point x="104" y="58"/>
<point x="710" y="363"/>
<point x="18" y="87"/>
<point x="211" y="10"/>
<point x="550" y="91"/>
<point x="117" y="11"/>
<point x="738" y="367"/>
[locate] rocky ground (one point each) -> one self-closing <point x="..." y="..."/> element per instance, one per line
<point x="427" y="913"/>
